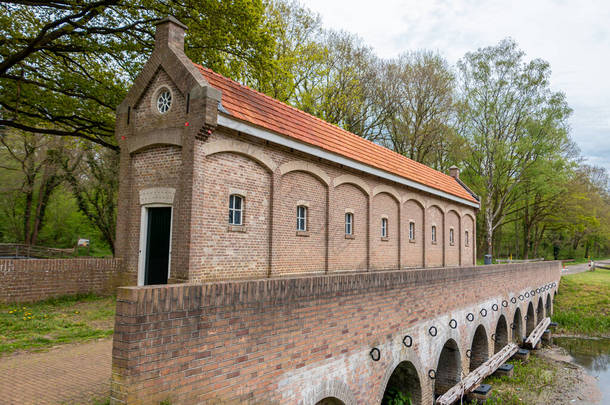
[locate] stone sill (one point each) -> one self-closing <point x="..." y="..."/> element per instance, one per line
<point x="348" y="236"/>
<point x="237" y="228"/>
<point x="302" y="233"/>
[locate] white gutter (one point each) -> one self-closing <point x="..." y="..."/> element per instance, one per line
<point x="241" y="126"/>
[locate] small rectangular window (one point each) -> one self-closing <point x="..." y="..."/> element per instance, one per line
<point x="384" y="227"/>
<point x="466" y="241"/>
<point x="349" y="223"/>
<point x="433" y="233"/>
<point x="301" y="218"/>
<point x="235" y="209"/>
<point x="451" y="238"/>
<point x="411" y="230"/>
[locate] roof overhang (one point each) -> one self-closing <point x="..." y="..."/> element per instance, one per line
<point x="241" y="126"/>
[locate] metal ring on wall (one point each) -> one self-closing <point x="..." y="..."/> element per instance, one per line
<point x="494" y="307"/>
<point x="532" y="293"/>
<point x="375" y="354"/>
<point x="470" y="317"/>
<point x="468" y="353"/>
<point x="409" y="338"/>
<point x="526" y="317"/>
<point x="520" y="297"/>
<point x="513" y="326"/>
<point x="453" y="324"/>
<point x="513" y="300"/>
<point x="432" y="374"/>
<point x="505" y="303"/>
<point x="493" y="337"/>
<point x="527" y="294"/>
<point x="433" y="331"/>
<point x="483" y="312"/>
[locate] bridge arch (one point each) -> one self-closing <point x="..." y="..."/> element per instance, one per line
<point x="405" y="380"/>
<point x="500" y="337"/>
<point x="540" y="310"/>
<point x="517" y="327"/>
<point x="549" y="305"/>
<point x="330" y="401"/>
<point x="448" y="369"/>
<point x="332" y="392"/>
<point x="479" y="349"/>
<point x="530" y="319"/>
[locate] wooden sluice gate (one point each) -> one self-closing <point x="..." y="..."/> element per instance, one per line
<point x="534" y="338"/>
<point x="474" y="379"/>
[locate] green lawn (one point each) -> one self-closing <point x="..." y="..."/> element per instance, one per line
<point x="55" y="321"/>
<point x="582" y="305"/>
<point x="530" y="382"/>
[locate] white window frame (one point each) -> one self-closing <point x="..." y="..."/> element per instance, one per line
<point x="302" y="219"/>
<point x="451" y="236"/>
<point x="433" y="233"/>
<point x="234" y="210"/>
<point x="411" y="230"/>
<point x="384" y="227"/>
<point x="349" y="223"/>
<point x="144" y="235"/>
<point x="466" y="238"/>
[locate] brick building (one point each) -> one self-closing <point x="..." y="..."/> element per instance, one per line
<point x="219" y="181"/>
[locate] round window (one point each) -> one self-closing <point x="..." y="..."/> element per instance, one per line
<point x="164" y="102"/>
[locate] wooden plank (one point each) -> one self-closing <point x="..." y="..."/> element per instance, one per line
<point x="536" y="334"/>
<point x="472" y="380"/>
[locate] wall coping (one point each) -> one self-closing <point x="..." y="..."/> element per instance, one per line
<point x="283" y="290"/>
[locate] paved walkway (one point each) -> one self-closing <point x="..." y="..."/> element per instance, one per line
<point x="70" y="374"/>
<point x="575" y="268"/>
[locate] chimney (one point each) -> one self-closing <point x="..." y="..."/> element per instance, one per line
<point x="454" y="172"/>
<point x="170" y="32"/>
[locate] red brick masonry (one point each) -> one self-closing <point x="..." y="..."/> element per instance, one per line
<point x="23" y="280"/>
<point x="299" y="340"/>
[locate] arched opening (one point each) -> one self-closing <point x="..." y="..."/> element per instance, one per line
<point x="330" y="401"/>
<point x="530" y="320"/>
<point x="517" y="327"/>
<point x="539" y="311"/>
<point x="448" y="369"/>
<point x="403" y="383"/>
<point x="501" y="336"/>
<point x="549" y="312"/>
<point x="479" y="351"/>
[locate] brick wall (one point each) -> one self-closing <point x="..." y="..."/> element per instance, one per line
<point x="24" y="280"/>
<point x="301" y="339"/>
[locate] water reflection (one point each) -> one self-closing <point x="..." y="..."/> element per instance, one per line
<point x="594" y="356"/>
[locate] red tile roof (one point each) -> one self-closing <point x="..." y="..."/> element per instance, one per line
<point x="259" y="109"/>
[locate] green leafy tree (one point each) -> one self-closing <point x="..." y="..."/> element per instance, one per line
<point x="510" y="118"/>
<point x="65" y="65"/>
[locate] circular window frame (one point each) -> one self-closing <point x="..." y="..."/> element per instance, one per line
<point x="155" y="106"/>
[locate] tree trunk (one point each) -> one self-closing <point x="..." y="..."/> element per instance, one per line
<point x="489" y="229"/>
<point x="49" y="183"/>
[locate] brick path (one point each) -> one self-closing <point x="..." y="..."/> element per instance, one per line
<point x="70" y="374"/>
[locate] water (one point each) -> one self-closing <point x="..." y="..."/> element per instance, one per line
<point x="594" y="356"/>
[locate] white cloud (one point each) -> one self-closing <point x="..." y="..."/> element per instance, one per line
<point x="573" y="36"/>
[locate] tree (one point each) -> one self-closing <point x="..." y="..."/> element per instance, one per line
<point x="510" y="119"/>
<point x="33" y="163"/>
<point x="65" y="65"/>
<point x="93" y="178"/>
<point x="419" y="124"/>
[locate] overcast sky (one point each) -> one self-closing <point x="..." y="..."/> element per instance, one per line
<point x="574" y="36"/>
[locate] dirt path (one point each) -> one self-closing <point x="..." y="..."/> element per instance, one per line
<point x="69" y="374"/>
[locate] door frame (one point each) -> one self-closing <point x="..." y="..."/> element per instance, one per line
<point x="144" y="239"/>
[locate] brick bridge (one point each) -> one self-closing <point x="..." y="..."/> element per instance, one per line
<point x="332" y="339"/>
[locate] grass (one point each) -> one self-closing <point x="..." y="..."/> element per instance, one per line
<point x="582" y="305"/>
<point x="528" y="384"/>
<point x="55" y="321"/>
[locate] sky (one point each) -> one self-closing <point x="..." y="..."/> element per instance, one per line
<point x="573" y="36"/>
